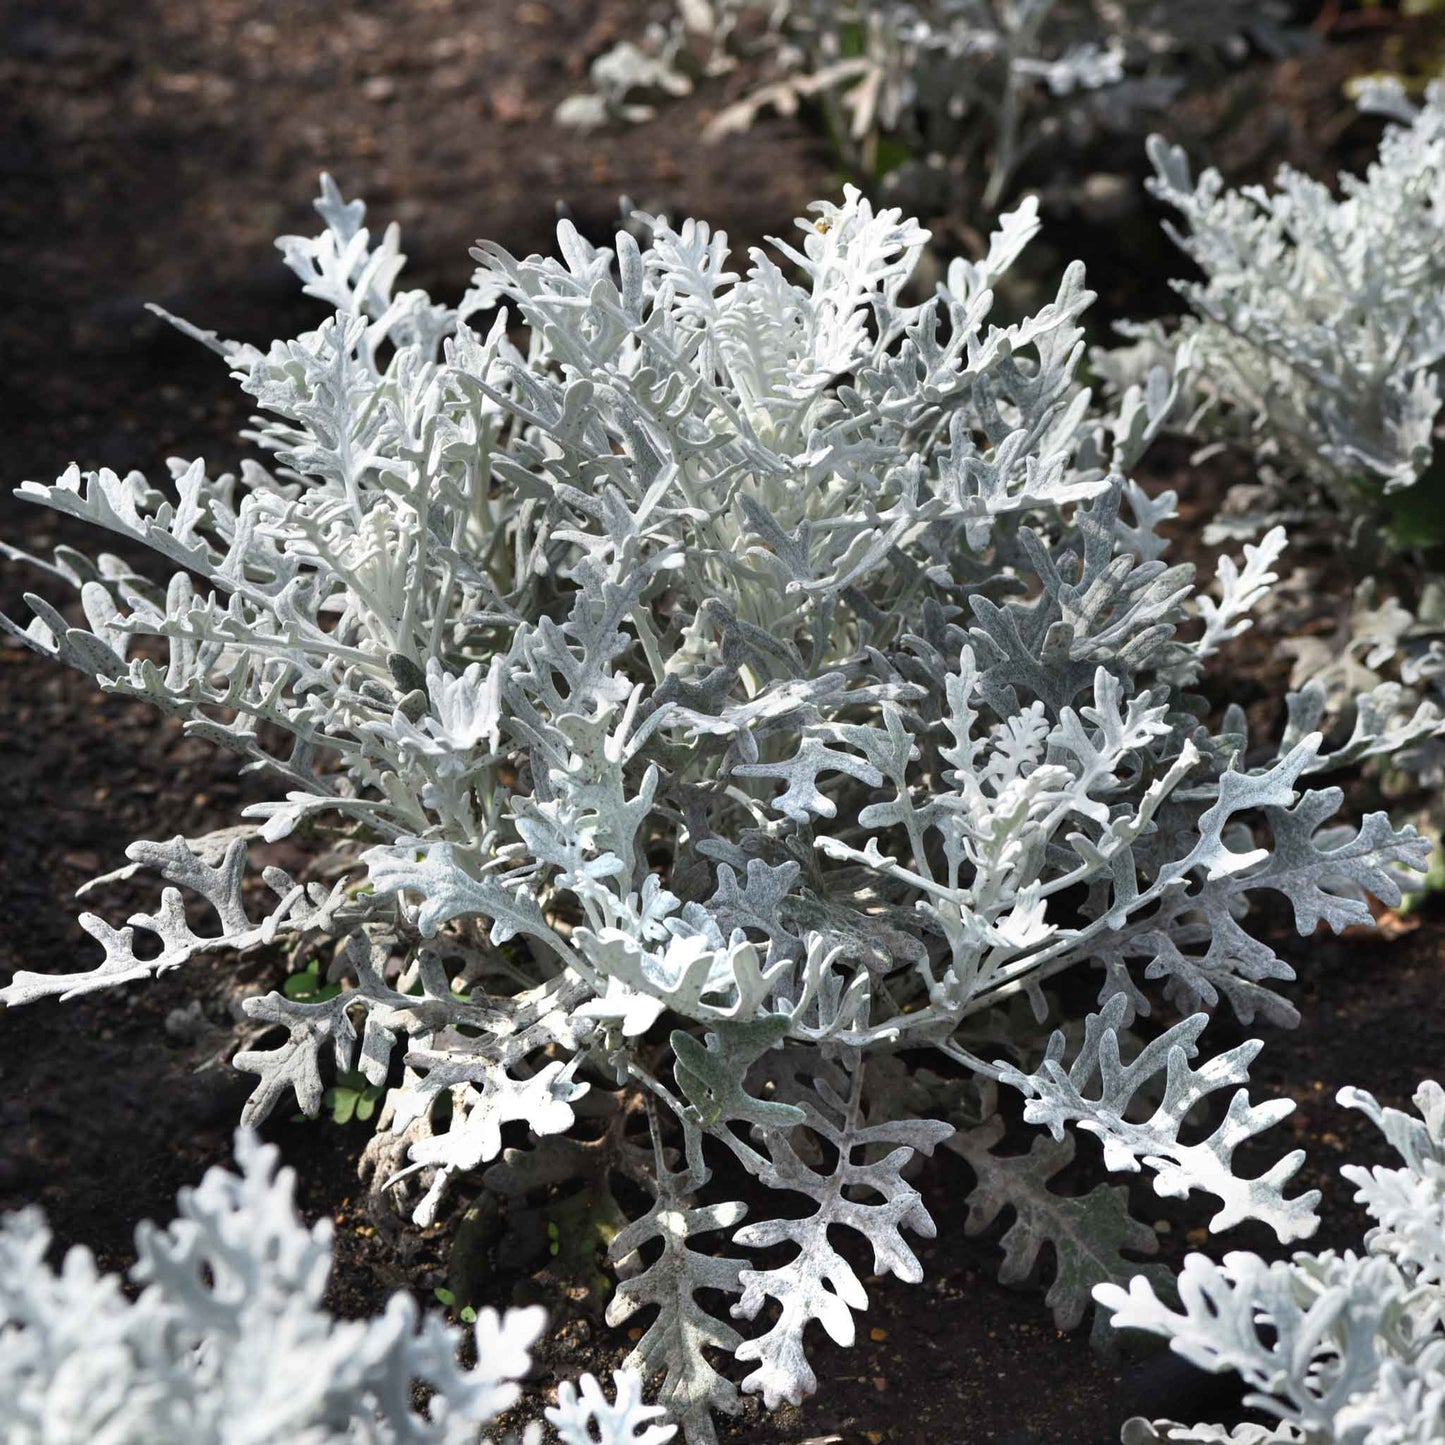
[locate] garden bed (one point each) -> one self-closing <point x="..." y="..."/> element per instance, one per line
<point x="152" y="156"/>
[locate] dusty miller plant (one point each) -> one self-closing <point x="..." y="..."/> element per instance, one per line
<point x="1315" y="339"/>
<point x="1317" y="332"/>
<point x="944" y="99"/>
<point x="226" y="1339"/>
<point x="722" y="705"/>
<point x="1336" y="1349"/>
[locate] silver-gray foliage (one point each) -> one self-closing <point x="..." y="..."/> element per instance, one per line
<point x="1318" y="331"/>
<point x="226" y="1339"/>
<point x="1316" y="340"/>
<point x="713" y="692"/>
<point x="1337" y="1349"/>
<point x="968" y="88"/>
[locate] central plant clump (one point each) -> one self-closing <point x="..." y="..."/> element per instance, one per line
<point x="711" y="702"/>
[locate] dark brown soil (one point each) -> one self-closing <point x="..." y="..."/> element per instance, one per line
<point x="152" y="151"/>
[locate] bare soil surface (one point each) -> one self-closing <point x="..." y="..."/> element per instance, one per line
<point x="152" y="151"/>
